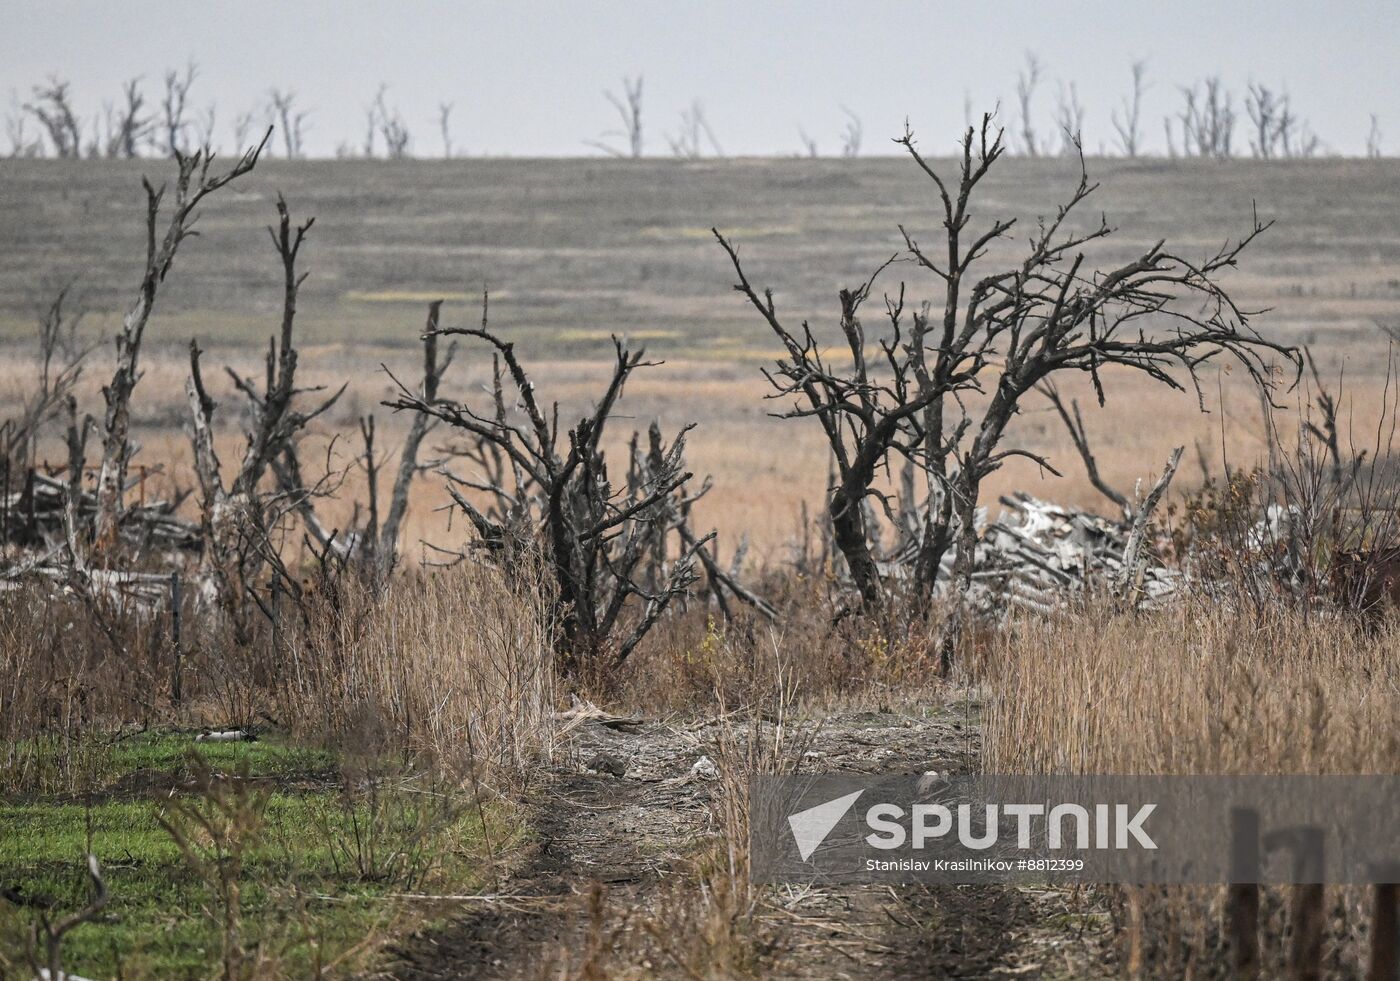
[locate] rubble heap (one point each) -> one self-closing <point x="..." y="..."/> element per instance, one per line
<point x="1037" y="554"/>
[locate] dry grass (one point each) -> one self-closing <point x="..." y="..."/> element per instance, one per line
<point x="1197" y="690"/>
<point x="453" y="669"/>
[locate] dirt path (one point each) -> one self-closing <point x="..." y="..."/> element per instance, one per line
<point x="617" y="830"/>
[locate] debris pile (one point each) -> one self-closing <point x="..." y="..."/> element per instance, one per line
<point x="1037" y="554"/>
<point x="34" y="513"/>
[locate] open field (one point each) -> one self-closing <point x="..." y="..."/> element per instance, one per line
<point x="539" y="808"/>
<point x="573" y="251"/>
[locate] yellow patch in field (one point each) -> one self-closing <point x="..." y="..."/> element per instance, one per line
<point x="405" y="296"/>
<point x="579" y="334"/>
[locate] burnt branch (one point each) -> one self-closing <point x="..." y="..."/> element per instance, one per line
<point x="194" y="182"/>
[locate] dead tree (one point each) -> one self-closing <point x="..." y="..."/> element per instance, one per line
<point x="551" y="490"/>
<point x="852" y="135"/>
<point x="1069" y="118"/>
<point x="693" y="134"/>
<point x="942" y="392"/>
<point x="282" y="106"/>
<point x="1027" y="81"/>
<point x="237" y="519"/>
<point x="809" y="145"/>
<point x="445" y="128"/>
<point x="1277" y="132"/>
<point x="1128" y="118"/>
<point x="1373" y="139"/>
<point x="1207" y="120"/>
<point x="52" y="106"/>
<point x="174" y="127"/>
<point x="60" y="364"/>
<point x="193" y="183"/>
<point x="128" y="129"/>
<point x="242" y="126"/>
<point x="375" y="544"/>
<point x="16" y="132"/>
<point x="389" y="125"/>
<point x="629" y="112"/>
<point x="1079" y="435"/>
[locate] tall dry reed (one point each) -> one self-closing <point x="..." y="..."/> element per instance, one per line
<point x="455" y="667"/>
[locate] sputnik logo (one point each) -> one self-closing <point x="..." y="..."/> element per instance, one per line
<point x="810" y="827"/>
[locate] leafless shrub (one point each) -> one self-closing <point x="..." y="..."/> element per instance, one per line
<point x="629" y="112"/>
<point x="1207" y="122"/>
<point x="809" y="145"/>
<point x="388" y="125"/>
<point x="1277" y="132"/>
<point x="238" y="520"/>
<point x="60" y="356"/>
<point x="1027" y="81"/>
<point x="1161" y="314"/>
<point x="174" y="126"/>
<point x="378" y="540"/>
<point x="605" y="543"/>
<point x="693" y="134"/>
<point x="242" y="126"/>
<point x="282" y="107"/>
<point x="128" y="128"/>
<point x="52" y="106"/>
<point x="1127" y="119"/>
<point x="1069" y="119"/>
<point x="852" y="135"/>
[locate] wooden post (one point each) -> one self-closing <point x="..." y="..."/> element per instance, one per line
<point x="1243" y="897"/>
<point x="1385" y="925"/>
<point x="1305" y="945"/>
<point x="175" y="639"/>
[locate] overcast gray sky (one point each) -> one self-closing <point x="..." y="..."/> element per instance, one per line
<point x="527" y="76"/>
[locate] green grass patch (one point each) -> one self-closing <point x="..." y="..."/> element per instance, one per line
<point x="320" y="855"/>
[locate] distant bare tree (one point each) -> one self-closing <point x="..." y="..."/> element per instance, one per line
<point x="173" y="107"/>
<point x="17" y="134"/>
<point x="1069" y="118"/>
<point x="193" y="183"/>
<point x="127" y="129"/>
<point x="852" y="135"/>
<point x="1027" y="81"/>
<point x="1373" y="138"/>
<point x="692" y="135"/>
<point x="629" y="111"/>
<point x="1127" y="119"/>
<point x="242" y="126"/>
<point x="445" y="128"/>
<point x="52" y="106"/>
<point x="204" y="126"/>
<point x="282" y="108"/>
<point x="809" y="145"/>
<point x="390" y="125"/>
<point x="1277" y="132"/>
<point x="1207" y="121"/>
